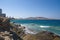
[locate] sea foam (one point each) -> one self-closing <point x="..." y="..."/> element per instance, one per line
<point x="44" y="26"/>
<point x="27" y="30"/>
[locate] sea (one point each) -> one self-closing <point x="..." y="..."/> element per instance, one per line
<point x="35" y="26"/>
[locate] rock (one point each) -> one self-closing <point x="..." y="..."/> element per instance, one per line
<point x="44" y="35"/>
<point x="56" y="38"/>
<point x="1" y="38"/>
<point x="5" y="24"/>
<point x="15" y="36"/>
<point x="6" y="30"/>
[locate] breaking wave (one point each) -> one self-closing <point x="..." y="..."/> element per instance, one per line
<point x="44" y="26"/>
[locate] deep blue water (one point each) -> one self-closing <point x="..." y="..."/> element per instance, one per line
<point x="39" y="25"/>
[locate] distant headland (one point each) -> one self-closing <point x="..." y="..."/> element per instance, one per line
<point x="36" y="18"/>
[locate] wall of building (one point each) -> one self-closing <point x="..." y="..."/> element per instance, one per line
<point x="0" y="11"/>
<point x="1" y="14"/>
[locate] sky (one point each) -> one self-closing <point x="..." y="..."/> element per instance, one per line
<point x="31" y="8"/>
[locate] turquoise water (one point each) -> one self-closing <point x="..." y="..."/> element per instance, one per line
<point x="40" y="25"/>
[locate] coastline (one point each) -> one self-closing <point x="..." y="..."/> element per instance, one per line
<point x="29" y="31"/>
<point x="31" y="36"/>
<point x="17" y="32"/>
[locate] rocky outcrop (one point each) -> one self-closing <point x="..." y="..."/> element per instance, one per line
<point x="44" y="35"/>
<point x="6" y="32"/>
<point x="4" y="24"/>
<point x="9" y="36"/>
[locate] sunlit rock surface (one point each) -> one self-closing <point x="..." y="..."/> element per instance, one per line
<point x="6" y="30"/>
<point x="44" y="35"/>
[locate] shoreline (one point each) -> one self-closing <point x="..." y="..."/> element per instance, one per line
<point x="29" y="31"/>
<point x="17" y="32"/>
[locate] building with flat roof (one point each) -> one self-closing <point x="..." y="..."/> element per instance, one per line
<point x="0" y="11"/>
<point x="2" y="14"/>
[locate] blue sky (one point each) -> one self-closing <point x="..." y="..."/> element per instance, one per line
<point x="31" y="8"/>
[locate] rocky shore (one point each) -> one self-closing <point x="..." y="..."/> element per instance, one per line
<point x="6" y="30"/>
<point x="44" y="35"/>
<point x="10" y="31"/>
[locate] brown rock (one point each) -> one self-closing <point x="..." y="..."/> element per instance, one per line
<point x="5" y="24"/>
<point x="44" y="35"/>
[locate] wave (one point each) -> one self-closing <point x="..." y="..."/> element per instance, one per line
<point x="29" y="31"/>
<point x="44" y="26"/>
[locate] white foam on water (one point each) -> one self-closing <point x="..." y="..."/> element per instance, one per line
<point x="44" y="26"/>
<point x="22" y="25"/>
<point x="29" y="31"/>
